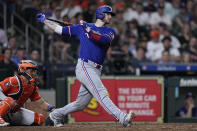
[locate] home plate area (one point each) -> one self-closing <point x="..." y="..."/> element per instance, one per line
<point x="107" y="127"/>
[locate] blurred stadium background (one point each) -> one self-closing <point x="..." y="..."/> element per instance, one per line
<point x="154" y="38"/>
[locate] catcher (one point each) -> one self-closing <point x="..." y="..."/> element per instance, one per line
<point x="15" y="91"/>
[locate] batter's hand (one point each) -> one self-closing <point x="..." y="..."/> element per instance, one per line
<point x="85" y="26"/>
<point x="41" y="17"/>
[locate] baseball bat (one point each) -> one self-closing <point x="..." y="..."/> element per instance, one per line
<point x="62" y="23"/>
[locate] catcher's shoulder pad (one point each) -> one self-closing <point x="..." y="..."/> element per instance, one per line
<point x="13" y="81"/>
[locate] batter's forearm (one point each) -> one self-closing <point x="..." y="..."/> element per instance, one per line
<point x="53" y="26"/>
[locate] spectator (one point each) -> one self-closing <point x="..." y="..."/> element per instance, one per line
<point x="3" y="38"/>
<point x="118" y="5"/>
<point x="141" y="16"/>
<point x="174" y="52"/>
<point x="172" y="9"/>
<point x="132" y="45"/>
<point x="35" y="56"/>
<point x="165" y="59"/>
<point x="52" y="5"/>
<point x="7" y="64"/>
<point x="186" y="59"/>
<point x="71" y="10"/>
<point x="65" y="18"/>
<point x="89" y="13"/>
<point x="174" y="41"/>
<point x="185" y="35"/>
<point x="125" y="50"/>
<point x="141" y="58"/>
<point x="143" y="44"/>
<point x="154" y="47"/>
<point x="159" y="17"/>
<point x="133" y="28"/>
<point x="20" y="54"/>
<point x="189" y="109"/>
<point x="144" y="35"/>
<point x="150" y="8"/>
<point x="193" y="19"/>
<point x="57" y="13"/>
<point x="129" y="14"/>
<point x="44" y="8"/>
<point x="58" y="52"/>
<point x="190" y="5"/>
<point x="119" y="24"/>
<point x="192" y="49"/>
<point x="12" y="45"/>
<point x="181" y="18"/>
<point x="162" y="27"/>
<point x="29" y="12"/>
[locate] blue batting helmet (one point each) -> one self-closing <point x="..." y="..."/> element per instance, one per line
<point x="100" y="12"/>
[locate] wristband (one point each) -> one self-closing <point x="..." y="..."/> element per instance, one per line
<point x="50" y="107"/>
<point x="58" y="29"/>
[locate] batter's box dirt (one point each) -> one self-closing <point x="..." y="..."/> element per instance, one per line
<point x="108" y="127"/>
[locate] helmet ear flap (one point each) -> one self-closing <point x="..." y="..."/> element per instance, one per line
<point x="102" y="16"/>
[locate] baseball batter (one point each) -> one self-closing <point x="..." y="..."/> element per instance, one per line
<point x="15" y="91"/>
<point x="95" y="39"/>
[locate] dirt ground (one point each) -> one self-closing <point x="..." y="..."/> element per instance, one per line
<point x="108" y="127"/>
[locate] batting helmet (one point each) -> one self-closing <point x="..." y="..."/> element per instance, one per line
<point x="100" y="12"/>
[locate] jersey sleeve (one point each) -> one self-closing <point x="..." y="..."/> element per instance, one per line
<point x="71" y="30"/>
<point x="102" y="38"/>
<point x="8" y="83"/>
<point x="35" y="96"/>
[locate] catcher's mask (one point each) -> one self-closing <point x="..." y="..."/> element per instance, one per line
<point x="29" y="69"/>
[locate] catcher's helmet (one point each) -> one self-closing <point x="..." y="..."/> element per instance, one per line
<point x="100" y="12"/>
<point x="24" y="65"/>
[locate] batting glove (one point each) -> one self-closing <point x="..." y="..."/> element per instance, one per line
<point x="40" y="17"/>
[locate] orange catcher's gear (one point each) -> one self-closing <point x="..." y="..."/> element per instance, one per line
<point x="6" y="105"/>
<point x="24" y="65"/>
<point x="38" y="118"/>
<point x="20" y="90"/>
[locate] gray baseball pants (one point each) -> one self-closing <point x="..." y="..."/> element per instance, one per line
<point x="91" y="86"/>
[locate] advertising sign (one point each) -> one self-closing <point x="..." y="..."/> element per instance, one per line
<point x="142" y="95"/>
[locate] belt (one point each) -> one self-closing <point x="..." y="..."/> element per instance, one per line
<point x="94" y="64"/>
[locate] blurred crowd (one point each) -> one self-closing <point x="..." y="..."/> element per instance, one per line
<point x="148" y="31"/>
